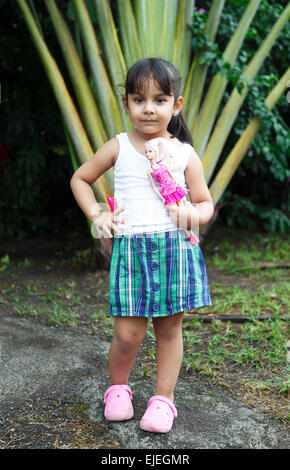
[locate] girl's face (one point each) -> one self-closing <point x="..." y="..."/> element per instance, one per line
<point x="151" y="110"/>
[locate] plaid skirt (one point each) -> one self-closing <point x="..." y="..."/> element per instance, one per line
<point x="156" y="275"/>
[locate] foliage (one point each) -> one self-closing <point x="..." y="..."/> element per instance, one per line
<point x="247" y="204"/>
<point x="34" y="165"/>
<point x="35" y="177"/>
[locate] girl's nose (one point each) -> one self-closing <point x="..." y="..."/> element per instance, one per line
<point x="149" y="108"/>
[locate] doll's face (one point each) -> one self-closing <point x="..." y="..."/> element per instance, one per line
<point x="150" y="153"/>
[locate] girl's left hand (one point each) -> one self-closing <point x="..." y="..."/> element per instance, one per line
<point x="185" y="216"/>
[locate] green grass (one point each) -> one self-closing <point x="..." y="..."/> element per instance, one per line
<point x="251" y="302"/>
<point x="62" y="314"/>
<point x="235" y="255"/>
<point x="252" y="345"/>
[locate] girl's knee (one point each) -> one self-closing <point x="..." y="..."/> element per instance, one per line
<point x="129" y="338"/>
<point x="128" y="341"/>
<point x="168" y="328"/>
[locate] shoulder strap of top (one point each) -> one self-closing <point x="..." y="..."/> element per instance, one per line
<point x="188" y="150"/>
<point x="121" y="137"/>
<point x="123" y="144"/>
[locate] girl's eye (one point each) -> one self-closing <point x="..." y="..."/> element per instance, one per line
<point x="138" y="100"/>
<point x="160" y="100"/>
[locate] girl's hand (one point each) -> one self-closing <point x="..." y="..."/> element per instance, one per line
<point x="105" y="221"/>
<point x="184" y="216"/>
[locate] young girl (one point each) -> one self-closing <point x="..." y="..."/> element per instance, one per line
<point x="155" y="271"/>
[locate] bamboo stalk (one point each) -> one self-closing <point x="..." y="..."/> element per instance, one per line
<point x="128" y="32"/>
<point x="182" y="43"/>
<point x="167" y="33"/>
<point x="112" y="51"/>
<point x="208" y="111"/>
<point x="230" y="111"/>
<point x="197" y="75"/>
<point x="36" y="17"/>
<point x="235" y="157"/>
<point x="65" y="103"/>
<point x="105" y="95"/>
<point x="157" y="22"/>
<point x="78" y="77"/>
<point x="81" y="85"/>
<point x="144" y="12"/>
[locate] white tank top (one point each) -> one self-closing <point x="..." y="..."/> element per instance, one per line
<point x="144" y="211"/>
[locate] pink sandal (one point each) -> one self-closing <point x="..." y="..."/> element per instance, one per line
<point x="159" y="415"/>
<point x="118" y="403"/>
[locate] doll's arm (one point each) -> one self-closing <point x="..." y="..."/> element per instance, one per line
<point x="154" y="187"/>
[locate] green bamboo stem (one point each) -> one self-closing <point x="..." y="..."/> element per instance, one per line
<point x="145" y="23"/>
<point x="182" y="43"/>
<point x="104" y="92"/>
<point x="112" y="51"/>
<point x="157" y="22"/>
<point x="230" y="111"/>
<point x="65" y="103"/>
<point x="78" y="77"/>
<point x="197" y="75"/>
<point x="238" y="152"/>
<point x="36" y="17"/>
<point x="167" y="33"/>
<point x="215" y="92"/>
<point x="128" y="33"/>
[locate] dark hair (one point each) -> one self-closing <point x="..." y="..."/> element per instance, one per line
<point x="169" y="80"/>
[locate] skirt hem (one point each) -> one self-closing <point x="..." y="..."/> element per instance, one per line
<point x="161" y="314"/>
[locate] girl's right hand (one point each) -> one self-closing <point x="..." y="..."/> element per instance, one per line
<point x="105" y="221"/>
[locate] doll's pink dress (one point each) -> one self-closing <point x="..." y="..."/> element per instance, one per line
<point x="169" y="189"/>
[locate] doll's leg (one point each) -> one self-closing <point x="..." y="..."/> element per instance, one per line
<point x="128" y="335"/>
<point x="169" y="341"/>
<point x="182" y="203"/>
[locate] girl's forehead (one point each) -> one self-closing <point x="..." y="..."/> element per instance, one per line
<point x="148" y="86"/>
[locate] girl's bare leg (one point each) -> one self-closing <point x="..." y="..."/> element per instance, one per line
<point x="169" y="343"/>
<point x="128" y="335"/>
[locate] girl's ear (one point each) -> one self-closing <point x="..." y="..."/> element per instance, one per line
<point x="125" y="102"/>
<point x="178" y="106"/>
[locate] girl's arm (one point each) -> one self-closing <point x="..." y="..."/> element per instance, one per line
<point x="153" y="186"/>
<point x="201" y="209"/>
<point x="198" y="191"/>
<point x="86" y="175"/>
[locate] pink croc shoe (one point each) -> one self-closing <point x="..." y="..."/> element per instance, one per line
<point x="118" y="403"/>
<point x="159" y="415"/>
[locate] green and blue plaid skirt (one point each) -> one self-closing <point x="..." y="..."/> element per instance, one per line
<point x="156" y="275"/>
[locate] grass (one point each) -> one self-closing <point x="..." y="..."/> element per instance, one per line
<point x="249" y="248"/>
<point x="252" y="345"/>
<point x="250" y="302"/>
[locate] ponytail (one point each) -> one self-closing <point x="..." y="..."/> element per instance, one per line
<point x="179" y="129"/>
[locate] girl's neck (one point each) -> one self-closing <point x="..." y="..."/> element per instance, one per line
<point x="145" y="137"/>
